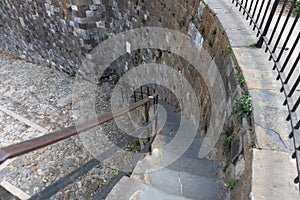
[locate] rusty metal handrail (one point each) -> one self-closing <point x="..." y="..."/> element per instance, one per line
<point x="18" y="149"/>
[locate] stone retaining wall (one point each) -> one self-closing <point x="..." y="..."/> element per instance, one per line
<point x="60" y="34"/>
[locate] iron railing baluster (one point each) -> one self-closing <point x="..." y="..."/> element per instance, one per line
<point x="297" y="125"/>
<point x="290" y="54"/>
<point x="241" y="4"/>
<point x="254" y="11"/>
<point x="264" y="17"/>
<point x="267" y="26"/>
<point x="288" y="37"/>
<point x="258" y="14"/>
<point x="294" y="87"/>
<point x="292" y="70"/>
<point x="249" y="12"/>
<point x="246" y="4"/>
<point x="296" y="105"/>
<point x="283" y="28"/>
<point x="277" y="22"/>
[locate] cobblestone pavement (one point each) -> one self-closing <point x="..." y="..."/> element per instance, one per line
<point x="35" y="100"/>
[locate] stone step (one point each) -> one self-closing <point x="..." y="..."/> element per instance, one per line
<point x="130" y="189"/>
<point x="199" y="167"/>
<point x="182" y="144"/>
<point x="171" y="128"/>
<point x="194" y="166"/>
<point x="171" y="120"/>
<point x="184" y="184"/>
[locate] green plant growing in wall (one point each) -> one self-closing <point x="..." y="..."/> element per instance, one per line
<point x="211" y="42"/>
<point x="114" y="80"/>
<point x="240" y="78"/>
<point x="253" y="45"/>
<point x="296" y="8"/>
<point x="105" y="36"/>
<point x="229" y="139"/>
<point x="69" y="76"/>
<point x="229" y="136"/>
<point x="182" y="105"/>
<point x="136" y="143"/>
<point x="227" y="143"/>
<point x="225" y="167"/>
<point x="229" y="49"/>
<point x="128" y="174"/>
<point x="243" y="107"/>
<point x="115" y="172"/>
<point x="231" y="182"/>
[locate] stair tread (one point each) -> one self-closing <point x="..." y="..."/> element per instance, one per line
<point x="129" y="188"/>
<point x="171" y="120"/>
<point x="174" y="170"/>
<point x="200" y="167"/>
<point x="186" y="145"/>
<point x="182" y="183"/>
<point x="195" y="166"/>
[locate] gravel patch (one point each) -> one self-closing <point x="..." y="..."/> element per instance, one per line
<point x="46" y="98"/>
<point x="13" y="131"/>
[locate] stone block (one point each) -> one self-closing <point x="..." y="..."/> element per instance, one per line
<point x="236" y="147"/>
<point x="273" y="175"/>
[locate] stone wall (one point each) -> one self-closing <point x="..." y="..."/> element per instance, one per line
<point x="60" y="34"/>
<point x="41" y="31"/>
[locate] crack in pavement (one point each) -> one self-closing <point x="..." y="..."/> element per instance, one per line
<point x="181" y="186"/>
<point x="277" y="133"/>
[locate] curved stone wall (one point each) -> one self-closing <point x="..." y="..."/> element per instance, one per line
<point x="61" y="34"/>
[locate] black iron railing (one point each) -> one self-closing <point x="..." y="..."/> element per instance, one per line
<point x="143" y="97"/>
<point x="277" y="37"/>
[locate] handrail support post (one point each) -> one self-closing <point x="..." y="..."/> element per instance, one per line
<point x="147" y="118"/>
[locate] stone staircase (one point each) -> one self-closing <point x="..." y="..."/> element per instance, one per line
<point x="168" y="174"/>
